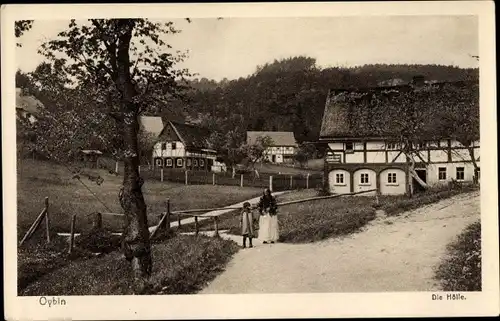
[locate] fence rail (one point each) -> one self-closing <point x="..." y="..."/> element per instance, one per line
<point x="277" y="182"/>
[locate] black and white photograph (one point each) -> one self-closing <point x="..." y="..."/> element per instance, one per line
<point x="204" y="160"/>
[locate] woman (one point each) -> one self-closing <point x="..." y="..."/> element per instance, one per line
<point x="268" y="221"/>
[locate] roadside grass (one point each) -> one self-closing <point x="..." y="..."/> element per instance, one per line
<point x="38" y="179"/>
<point x="321" y="219"/>
<point x="460" y="270"/>
<point x="181" y="265"/>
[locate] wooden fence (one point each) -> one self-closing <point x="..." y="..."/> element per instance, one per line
<point x="276" y="182"/>
<point x="166" y="217"/>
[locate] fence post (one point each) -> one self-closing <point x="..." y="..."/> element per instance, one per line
<point x="307" y="181"/>
<point x="291" y="181"/>
<point x="47" y="220"/>
<point x="178" y="221"/>
<point x="164" y="223"/>
<point x="213" y="178"/>
<point x="116" y="167"/>
<point x="216" y="226"/>
<point x="97" y="223"/>
<point x="241" y="180"/>
<point x="161" y="174"/>
<point x="72" y="234"/>
<point x="186" y="177"/>
<point x="139" y="169"/>
<point x="197" y="228"/>
<point x="271" y="183"/>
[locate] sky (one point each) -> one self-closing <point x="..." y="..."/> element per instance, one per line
<point x="234" y="47"/>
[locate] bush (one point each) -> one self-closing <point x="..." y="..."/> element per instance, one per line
<point x="181" y="265"/>
<point x="460" y="270"/>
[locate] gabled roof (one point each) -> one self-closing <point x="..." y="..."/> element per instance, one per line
<point x="191" y="135"/>
<point x="278" y="138"/>
<point x="27" y="103"/>
<point x="379" y="111"/>
<point x="151" y="124"/>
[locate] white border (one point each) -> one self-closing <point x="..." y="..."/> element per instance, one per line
<point x="258" y="306"/>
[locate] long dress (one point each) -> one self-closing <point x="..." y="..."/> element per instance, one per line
<point x="264" y="227"/>
<point x="268" y="221"/>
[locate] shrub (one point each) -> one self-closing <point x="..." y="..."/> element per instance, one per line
<point x="460" y="270"/>
<point x="181" y="265"/>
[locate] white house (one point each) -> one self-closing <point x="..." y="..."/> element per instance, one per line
<point x="283" y="148"/>
<point x="185" y="146"/>
<point x="356" y="162"/>
<point x="27" y="106"/>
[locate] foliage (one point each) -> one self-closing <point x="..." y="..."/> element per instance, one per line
<point x="289" y="94"/>
<point x="184" y="264"/>
<point x="146" y="141"/>
<point x="20" y="27"/>
<point x="461" y="269"/>
<point x="305" y="152"/>
<point x="256" y="151"/>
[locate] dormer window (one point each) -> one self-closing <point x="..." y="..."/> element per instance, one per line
<point x="349" y="147"/>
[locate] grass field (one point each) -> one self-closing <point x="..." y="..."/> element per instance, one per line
<point x="67" y="196"/>
<point x="181" y="265"/>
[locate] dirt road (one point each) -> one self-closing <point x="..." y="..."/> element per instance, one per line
<point x="391" y="254"/>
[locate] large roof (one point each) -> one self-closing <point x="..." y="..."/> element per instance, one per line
<point x="191" y="135"/>
<point x="381" y="111"/>
<point x="27" y="103"/>
<point x="278" y="138"/>
<point x="151" y="124"/>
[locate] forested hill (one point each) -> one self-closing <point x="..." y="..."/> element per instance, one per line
<point x="289" y="95"/>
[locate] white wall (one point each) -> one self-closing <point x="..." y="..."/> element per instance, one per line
<point x="372" y="183"/>
<point x="392" y="154"/>
<point x="375" y="145"/>
<point x="179" y="150"/>
<point x="375" y="157"/>
<point x="451" y="170"/>
<point x="356" y="157"/>
<point x="339" y="188"/>
<point x="398" y="188"/>
<point x="336" y="146"/>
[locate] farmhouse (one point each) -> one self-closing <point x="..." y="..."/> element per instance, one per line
<point x="185" y="146"/>
<point x="282" y="149"/>
<point x="398" y="139"/>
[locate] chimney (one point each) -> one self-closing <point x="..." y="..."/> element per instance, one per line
<point x="418" y="80"/>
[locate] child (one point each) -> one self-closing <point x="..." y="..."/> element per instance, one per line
<point x="246" y="224"/>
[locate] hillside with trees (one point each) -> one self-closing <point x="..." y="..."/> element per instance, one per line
<point x="290" y="94"/>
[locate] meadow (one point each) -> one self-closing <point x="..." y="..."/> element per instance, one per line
<point x="67" y="196"/>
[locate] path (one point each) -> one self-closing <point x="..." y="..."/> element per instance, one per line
<point x="190" y="220"/>
<point x="391" y="254"/>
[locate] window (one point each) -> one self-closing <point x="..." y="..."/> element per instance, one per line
<point x="421" y="145"/>
<point x="349" y="147"/>
<point x="364" y="178"/>
<point x="391" y="146"/>
<point x="460" y="173"/>
<point x="202" y="163"/>
<point x="442" y="173"/>
<point x="179" y="162"/>
<point x="391" y="178"/>
<point x="339" y="178"/>
<point x="159" y="162"/>
<point x="195" y="162"/>
<point x="169" y="162"/>
<point x="174" y="146"/>
<point x="163" y="146"/>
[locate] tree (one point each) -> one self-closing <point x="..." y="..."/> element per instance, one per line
<point x="20" y="27"/>
<point x="146" y="141"/>
<point x="256" y="151"/>
<point x="128" y="67"/>
<point x="305" y="152"/>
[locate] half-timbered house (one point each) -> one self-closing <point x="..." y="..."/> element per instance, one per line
<point x="185" y="146"/>
<point x="283" y="146"/>
<point x="369" y="146"/>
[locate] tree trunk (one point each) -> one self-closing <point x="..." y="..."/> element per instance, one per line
<point x="135" y="243"/>
<point x="473" y="159"/>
